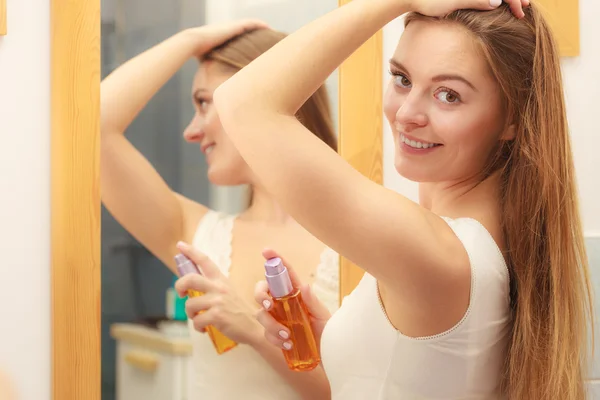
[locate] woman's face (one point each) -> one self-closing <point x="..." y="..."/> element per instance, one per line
<point x="442" y="103"/>
<point x="225" y="164"/>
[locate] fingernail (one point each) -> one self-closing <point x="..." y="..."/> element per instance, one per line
<point x="495" y="3"/>
<point x="266" y="304"/>
<point x="287" y="345"/>
<point x="283" y="334"/>
<point x="181" y="245"/>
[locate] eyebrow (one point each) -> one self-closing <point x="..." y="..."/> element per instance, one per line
<point x="438" y="78"/>
<point x="199" y="92"/>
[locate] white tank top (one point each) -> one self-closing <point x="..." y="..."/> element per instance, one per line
<point x="365" y="357"/>
<point x="242" y="373"/>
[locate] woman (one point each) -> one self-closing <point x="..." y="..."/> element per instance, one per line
<point x="141" y="201"/>
<point x="481" y="290"/>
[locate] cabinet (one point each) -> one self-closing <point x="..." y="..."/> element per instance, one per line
<point x="151" y="364"/>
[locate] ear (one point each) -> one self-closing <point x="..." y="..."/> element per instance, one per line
<point x="509" y="133"/>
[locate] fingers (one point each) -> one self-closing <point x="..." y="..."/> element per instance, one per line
<point x="197" y="283"/>
<point x="275" y="333"/>
<point x="270" y="253"/>
<point x="196" y="305"/>
<point x="250" y="24"/>
<point x="516" y="7"/>
<point x="201" y="321"/>
<point x="205" y="264"/>
<point x="261" y="295"/>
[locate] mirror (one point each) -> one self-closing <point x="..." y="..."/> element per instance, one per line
<point x="133" y="318"/>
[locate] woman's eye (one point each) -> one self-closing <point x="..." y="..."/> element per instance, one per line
<point x="203" y="104"/>
<point x="402" y="81"/>
<point x="447" y="96"/>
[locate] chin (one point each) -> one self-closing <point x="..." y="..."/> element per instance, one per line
<point x="224" y="176"/>
<point x="412" y="172"/>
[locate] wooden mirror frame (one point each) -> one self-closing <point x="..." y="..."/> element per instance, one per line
<point x="75" y="180"/>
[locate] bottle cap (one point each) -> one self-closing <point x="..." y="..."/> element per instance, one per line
<point x="278" y="278"/>
<point x="185" y="266"/>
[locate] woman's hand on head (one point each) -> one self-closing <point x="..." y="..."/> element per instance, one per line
<point x="438" y="8"/>
<point x="219" y="306"/>
<point x="210" y="36"/>
<point x="276" y="333"/>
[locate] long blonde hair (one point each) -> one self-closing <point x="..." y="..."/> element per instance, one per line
<point x="551" y="296"/>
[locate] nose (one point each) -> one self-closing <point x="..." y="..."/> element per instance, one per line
<point x="412" y="112"/>
<point x="194" y="133"/>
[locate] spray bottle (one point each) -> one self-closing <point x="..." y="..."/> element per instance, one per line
<point x="221" y="342"/>
<point x="289" y="310"/>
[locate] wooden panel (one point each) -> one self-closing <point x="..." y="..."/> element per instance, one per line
<point x="563" y="17"/>
<point x="75" y="85"/>
<point x="2" y="17"/>
<point x="360" y="122"/>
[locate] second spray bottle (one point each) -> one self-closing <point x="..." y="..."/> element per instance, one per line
<point x="221" y="342"/>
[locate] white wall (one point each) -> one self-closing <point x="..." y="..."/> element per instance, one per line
<point x="25" y="199"/>
<point x="582" y="88"/>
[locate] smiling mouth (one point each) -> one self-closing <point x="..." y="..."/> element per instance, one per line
<point x="416" y="144"/>
<point x="206" y="150"/>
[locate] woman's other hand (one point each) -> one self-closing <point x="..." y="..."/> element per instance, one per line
<point x="438" y="8"/>
<point x="276" y="333"/>
<point x="210" y="36"/>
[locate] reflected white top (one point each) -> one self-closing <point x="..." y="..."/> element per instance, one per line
<point x="365" y="357"/>
<point x="242" y="373"/>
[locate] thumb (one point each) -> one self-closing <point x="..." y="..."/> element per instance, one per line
<point x="316" y="308"/>
<point x="204" y="264"/>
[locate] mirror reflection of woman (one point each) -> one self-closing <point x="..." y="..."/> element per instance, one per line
<point x="481" y="290"/>
<point x="159" y="218"/>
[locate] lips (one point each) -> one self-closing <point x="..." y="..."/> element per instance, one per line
<point x="417" y="144"/>
<point x="207" y="148"/>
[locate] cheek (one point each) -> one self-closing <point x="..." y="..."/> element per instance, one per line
<point x="469" y="134"/>
<point x="212" y="125"/>
<point x="392" y="101"/>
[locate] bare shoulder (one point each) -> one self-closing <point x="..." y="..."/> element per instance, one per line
<point x="193" y="212"/>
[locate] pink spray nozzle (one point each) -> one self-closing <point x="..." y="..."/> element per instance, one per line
<point x="278" y="278"/>
<point x="185" y="266"/>
<point x="274" y="266"/>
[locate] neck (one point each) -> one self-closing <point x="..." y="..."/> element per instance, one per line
<point x="455" y="199"/>
<point x="264" y="208"/>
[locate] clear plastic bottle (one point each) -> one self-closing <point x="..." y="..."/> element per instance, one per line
<point x="289" y="310"/>
<point x="221" y="342"/>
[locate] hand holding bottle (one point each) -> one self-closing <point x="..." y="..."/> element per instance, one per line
<point x="277" y="333"/>
<point x="219" y="306"/>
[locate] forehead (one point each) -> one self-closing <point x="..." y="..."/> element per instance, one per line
<point x="428" y="48"/>
<point x="209" y="76"/>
